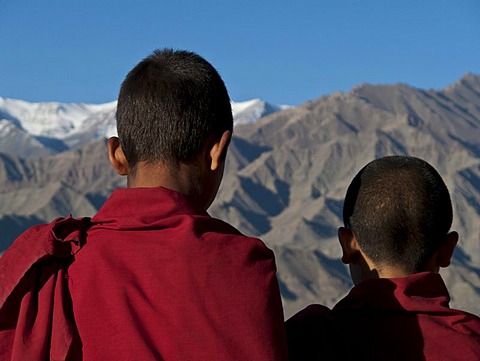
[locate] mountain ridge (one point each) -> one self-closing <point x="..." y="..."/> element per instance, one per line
<point x="45" y="128"/>
<point x="286" y="176"/>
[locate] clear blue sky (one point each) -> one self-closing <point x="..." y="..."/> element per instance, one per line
<point x="286" y="52"/>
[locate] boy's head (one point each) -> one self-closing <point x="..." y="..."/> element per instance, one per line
<point x="397" y="215"/>
<point x="169" y="105"/>
<point x="174" y="123"/>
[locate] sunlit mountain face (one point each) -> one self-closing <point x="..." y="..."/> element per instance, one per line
<point x="287" y="172"/>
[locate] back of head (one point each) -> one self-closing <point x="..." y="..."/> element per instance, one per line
<point x="169" y="105"/>
<point x="399" y="210"/>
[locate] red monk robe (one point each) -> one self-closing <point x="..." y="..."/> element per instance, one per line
<point x="155" y="280"/>
<point x="387" y="319"/>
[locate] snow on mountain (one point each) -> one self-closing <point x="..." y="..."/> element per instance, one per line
<point x="53" y="127"/>
<point x="251" y="110"/>
<point x="52" y="120"/>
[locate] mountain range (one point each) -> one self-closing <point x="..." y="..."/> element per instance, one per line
<point x="40" y="129"/>
<point x="287" y="172"/>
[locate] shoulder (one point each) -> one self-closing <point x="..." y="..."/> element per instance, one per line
<point x="464" y="323"/>
<point x="20" y="256"/>
<point x="312" y="334"/>
<point x="31" y="239"/>
<point x="58" y="229"/>
<point x="217" y="230"/>
<point x="35" y="231"/>
<point x="206" y="223"/>
<point x="60" y="238"/>
<point x="311" y="317"/>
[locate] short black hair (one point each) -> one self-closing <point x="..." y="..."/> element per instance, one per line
<point x="169" y="105"/>
<point x="399" y="210"/>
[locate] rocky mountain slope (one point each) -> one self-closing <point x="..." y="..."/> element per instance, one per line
<point x="301" y="161"/>
<point x="287" y="175"/>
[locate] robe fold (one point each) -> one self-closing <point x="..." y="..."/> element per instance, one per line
<point x="158" y="279"/>
<point x="36" y="320"/>
<point x="405" y="318"/>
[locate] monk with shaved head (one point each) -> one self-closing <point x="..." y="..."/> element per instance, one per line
<point x="151" y="276"/>
<point x="396" y="236"/>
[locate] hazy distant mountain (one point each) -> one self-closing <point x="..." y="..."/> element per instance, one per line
<point x="286" y="177"/>
<point x="40" y="129"/>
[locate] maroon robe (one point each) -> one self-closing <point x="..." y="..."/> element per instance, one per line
<point x="387" y="319"/>
<point x="156" y="279"/>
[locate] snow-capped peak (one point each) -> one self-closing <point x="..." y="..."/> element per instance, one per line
<point x="51" y="119"/>
<point x="76" y="124"/>
<point x="251" y="110"/>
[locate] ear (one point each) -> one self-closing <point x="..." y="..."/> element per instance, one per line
<point x="349" y="244"/>
<point x="218" y="150"/>
<point x="445" y="252"/>
<point x="116" y="156"/>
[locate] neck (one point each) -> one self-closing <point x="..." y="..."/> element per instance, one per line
<point x="391" y="272"/>
<point x="364" y="269"/>
<point x="183" y="178"/>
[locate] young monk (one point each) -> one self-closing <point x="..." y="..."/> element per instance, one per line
<point x="152" y="276"/>
<point x="397" y="215"/>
